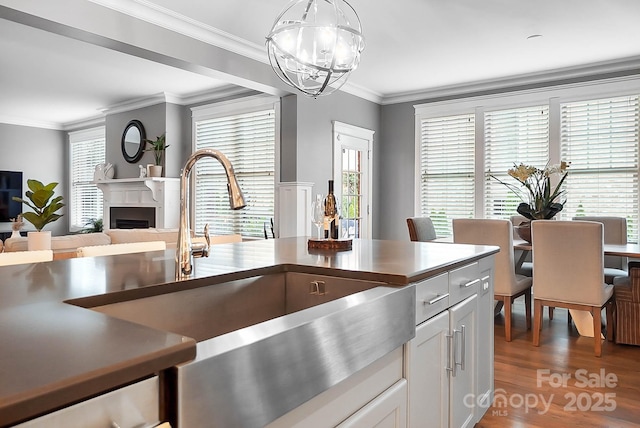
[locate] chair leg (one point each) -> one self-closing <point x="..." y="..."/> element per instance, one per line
<point x="551" y="312"/>
<point x="507" y="318"/>
<point x="597" y="328"/>
<point x="609" y="308"/>
<point x="527" y="308"/>
<point x="569" y="317"/>
<point x="537" y="321"/>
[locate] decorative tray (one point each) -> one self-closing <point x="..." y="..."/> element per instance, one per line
<point x="330" y="244"/>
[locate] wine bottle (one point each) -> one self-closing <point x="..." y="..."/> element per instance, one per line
<point x="330" y="214"/>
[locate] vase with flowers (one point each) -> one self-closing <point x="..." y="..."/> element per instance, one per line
<point x="540" y="200"/>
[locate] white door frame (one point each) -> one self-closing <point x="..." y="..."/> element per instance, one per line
<point x="366" y="136"/>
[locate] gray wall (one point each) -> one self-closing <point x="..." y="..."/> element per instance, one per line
<point x="40" y="154"/>
<point x="314" y="148"/>
<point x="397" y="169"/>
<point x="153" y="119"/>
<point x="175" y="125"/>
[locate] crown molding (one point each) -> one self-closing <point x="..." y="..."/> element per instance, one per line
<point x="137" y="103"/>
<point x="215" y="94"/>
<point x="566" y="76"/>
<point x="19" y="121"/>
<point x="171" y="20"/>
<point x="362" y="92"/>
<point x="90" y="122"/>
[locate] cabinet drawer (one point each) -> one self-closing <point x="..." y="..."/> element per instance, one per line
<point x="136" y="405"/>
<point x="463" y="282"/>
<point x="432" y="297"/>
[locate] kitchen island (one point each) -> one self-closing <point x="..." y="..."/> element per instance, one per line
<point x="56" y="351"/>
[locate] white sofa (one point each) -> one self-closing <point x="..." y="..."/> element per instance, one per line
<point x="111" y="236"/>
<point x="60" y="243"/>
<point x="70" y="243"/>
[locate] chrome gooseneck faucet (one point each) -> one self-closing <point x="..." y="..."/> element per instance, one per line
<point x="184" y="252"/>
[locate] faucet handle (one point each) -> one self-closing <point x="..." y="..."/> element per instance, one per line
<point x="201" y="249"/>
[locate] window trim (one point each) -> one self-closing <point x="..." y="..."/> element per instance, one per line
<point x="78" y="137"/>
<point x="232" y="107"/>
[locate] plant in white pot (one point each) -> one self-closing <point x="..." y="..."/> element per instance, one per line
<point x="44" y="212"/>
<point x="157" y="146"/>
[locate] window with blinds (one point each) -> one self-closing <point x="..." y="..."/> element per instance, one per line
<point x="512" y="137"/>
<point x="600" y="139"/>
<point x="86" y="150"/>
<point x="447" y="170"/>
<point x="248" y="140"/>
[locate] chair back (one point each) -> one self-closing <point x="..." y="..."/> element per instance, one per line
<point x="126" y="248"/>
<point x="568" y="261"/>
<point x="615" y="232"/>
<point x="421" y="229"/>
<point x="19" y="257"/>
<point x="491" y="232"/>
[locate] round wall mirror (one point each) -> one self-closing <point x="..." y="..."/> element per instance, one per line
<point x="133" y="141"/>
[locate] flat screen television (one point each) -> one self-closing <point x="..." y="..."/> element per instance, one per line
<point x="10" y="186"/>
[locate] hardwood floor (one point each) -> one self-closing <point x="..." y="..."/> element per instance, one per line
<point x="596" y="392"/>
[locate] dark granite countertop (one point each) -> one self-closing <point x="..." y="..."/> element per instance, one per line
<point x="55" y="352"/>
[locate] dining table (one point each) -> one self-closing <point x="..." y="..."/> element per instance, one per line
<point x="623" y="250"/>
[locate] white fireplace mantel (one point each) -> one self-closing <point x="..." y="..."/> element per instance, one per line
<point x="161" y="193"/>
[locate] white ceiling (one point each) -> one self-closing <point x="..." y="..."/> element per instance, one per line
<point x="414" y="49"/>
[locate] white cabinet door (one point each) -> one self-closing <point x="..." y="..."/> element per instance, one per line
<point x="463" y="324"/>
<point x="388" y="410"/>
<point x="427" y="359"/>
<point x="484" y="369"/>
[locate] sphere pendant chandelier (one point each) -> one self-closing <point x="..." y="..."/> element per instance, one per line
<point x="315" y="44"/>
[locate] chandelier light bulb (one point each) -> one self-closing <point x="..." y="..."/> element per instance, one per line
<point x="315" y="44"/>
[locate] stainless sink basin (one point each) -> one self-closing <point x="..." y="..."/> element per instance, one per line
<point x="269" y="343"/>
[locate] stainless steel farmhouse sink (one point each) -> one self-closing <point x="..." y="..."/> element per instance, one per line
<point x="267" y="344"/>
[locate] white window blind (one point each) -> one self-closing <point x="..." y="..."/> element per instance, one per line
<point x="447" y="170"/>
<point x="600" y="139"/>
<point x="248" y="140"/>
<point x="86" y="150"/>
<point x="512" y="136"/>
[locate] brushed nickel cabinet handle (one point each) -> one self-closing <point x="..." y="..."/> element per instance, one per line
<point x="471" y="283"/>
<point x="435" y="299"/>
<point x="451" y="366"/>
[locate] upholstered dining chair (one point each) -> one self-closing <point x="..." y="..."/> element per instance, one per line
<point x="507" y="284"/>
<point x="421" y="229"/>
<point x="568" y="269"/>
<point x="125" y="248"/>
<point x="615" y="232"/>
<point x="19" y="257"/>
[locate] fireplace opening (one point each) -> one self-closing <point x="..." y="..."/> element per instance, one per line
<point x="127" y="223"/>
<point x="132" y="217"/>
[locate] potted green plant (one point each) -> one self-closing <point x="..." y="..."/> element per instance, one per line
<point x="157" y="146"/>
<point x="44" y="212"/>
<point x="94" y="225"/>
